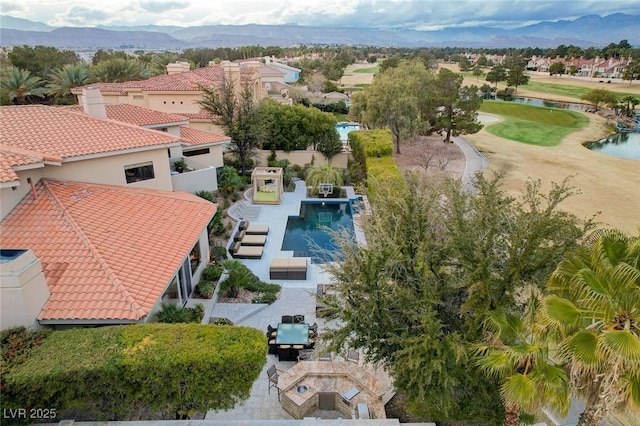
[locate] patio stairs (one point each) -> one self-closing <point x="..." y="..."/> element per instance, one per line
<point x="244" y="211"/>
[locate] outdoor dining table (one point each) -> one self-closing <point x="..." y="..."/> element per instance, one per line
<point x="292" y="334"/>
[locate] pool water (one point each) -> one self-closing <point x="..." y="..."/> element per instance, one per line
<point x="344" y="129"/>
<point x="308" y="232"/>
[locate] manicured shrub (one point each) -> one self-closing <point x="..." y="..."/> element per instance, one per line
<point x="205" y="289"/>
<point x="173" y="314"/>
<point x="383" y="171"/>
<point x="150" y="371"/>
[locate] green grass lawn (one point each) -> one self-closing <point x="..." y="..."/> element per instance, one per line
<point x="532" y="125"/>
<point x="369" y="70"/>
<point x="565" y="90"/>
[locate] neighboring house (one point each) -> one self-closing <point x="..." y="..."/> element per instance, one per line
<point x="335" y="97"/>
<point x="200" y="150"/>
<point x="291" y="74"/>
<point x="179" y="91"/>
<point x="88" y="207"/>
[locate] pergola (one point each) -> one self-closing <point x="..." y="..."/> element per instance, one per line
<point x="267" y="185"/>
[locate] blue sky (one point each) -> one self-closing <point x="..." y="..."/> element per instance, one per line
<point x="414" y="14"/>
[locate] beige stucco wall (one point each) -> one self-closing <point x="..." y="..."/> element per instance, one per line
<point x="302" y="157"/>
<point x="213" y="158"/>
<point x="23" y="291"/>
<point x="110" y="170"/>
<point x="206" y="126"/>
<point x="9" y="198"/>
<point x="174" y="102"/>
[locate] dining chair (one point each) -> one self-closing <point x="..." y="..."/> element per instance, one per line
<point x="287" y="319"/>
<point x="298" y="319"/>
<point x="284" y="352"/>
<point x="273" y="349"/>
<point x="271" y="331"/>
<point x="273" y="374"/>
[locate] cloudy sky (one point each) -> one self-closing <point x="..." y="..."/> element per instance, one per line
<point x="415" y="14"/>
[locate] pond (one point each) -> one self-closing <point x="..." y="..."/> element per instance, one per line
<point x="621" y="144"/>
<point x="550" y="104"/>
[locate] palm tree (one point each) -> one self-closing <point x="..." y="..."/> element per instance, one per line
<point x="19" y="84"/>
<point x="65" y="78"/>
<point x="517" y="354"/>
<point x="323" y="173"/>
<point x="594" y="306"/>
<point x="119" y="70"/>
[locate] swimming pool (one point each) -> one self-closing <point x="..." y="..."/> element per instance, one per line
<point x="308" y="230"/>
<point x="344" y="129"/>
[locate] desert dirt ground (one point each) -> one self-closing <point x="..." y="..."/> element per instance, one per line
<point x="608" y="187"/>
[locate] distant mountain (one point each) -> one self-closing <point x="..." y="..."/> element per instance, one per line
<point x="586" y="31"/>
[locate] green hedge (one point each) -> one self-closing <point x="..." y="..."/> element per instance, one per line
<point x="378" y="143"/>
<point x="152" y="370"/>
<point x="383" y="171"/>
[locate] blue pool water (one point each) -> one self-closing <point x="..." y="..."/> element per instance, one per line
<point x="344" y="129"/>
<point x="309" y="229"/>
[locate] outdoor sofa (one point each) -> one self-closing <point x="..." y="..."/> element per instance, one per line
<point x="288" y="268"/>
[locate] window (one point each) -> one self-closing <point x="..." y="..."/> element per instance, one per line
<point x="194" y="257"/>
<point x="138" y="97"/>
<point x="195" y="152"/>
<point x="139" y="172"/>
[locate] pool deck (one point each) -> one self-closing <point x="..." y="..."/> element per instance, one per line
<point x="276" y="217"/>
<point x="296" y="297"/>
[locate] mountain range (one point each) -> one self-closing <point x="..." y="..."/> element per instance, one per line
<point x="586" y="31"/>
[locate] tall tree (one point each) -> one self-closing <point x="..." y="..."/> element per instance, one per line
<point x="40" y="60"/>
<point x="516" y="77"/>
<point x="632" y="71"/>
<point x="556" y="68"/>
<point x="600" y="97"/>
<point x="62" y="80"/>
<point x="235" y="109"/>
<point x="437" y="261"/>
<point x="393" y="99"/>
<point x="496" y="75"/>
<point x="456" y="106"/>
<point x="594" y="306"/>
<point x="20" y="84"/>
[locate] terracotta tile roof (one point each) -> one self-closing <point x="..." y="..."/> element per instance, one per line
<point x="104" y="257"/>
<point x="11" y="156"/>
<point x="198" y="137"/>
<point x="200" y="115"/>
<point x="62" y="133"/>
<point x="181" y="82"/>
<point x="136" y="115"/>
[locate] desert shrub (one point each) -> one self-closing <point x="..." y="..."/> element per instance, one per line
<point x="218" y="253"/>
<point x="207" y="195"/>
<point x="174" y="314"/>
<point x="239" y="276"/>
<point x="205" y="289"/>
<point x="268" y="298"/>
<point x="214" y="271"/>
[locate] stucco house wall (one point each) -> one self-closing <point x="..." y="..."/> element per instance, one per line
<point x="111" y="170"/>
<point x="10" y="197"/>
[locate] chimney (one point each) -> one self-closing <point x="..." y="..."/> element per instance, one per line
<point x="178" y="67"/>
<point x="93" y="103"/>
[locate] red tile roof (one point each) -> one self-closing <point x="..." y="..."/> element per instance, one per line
<point x="136" y="115"/>
<point x="199" y="137"/>
<point x="62" y="133"/>
<point x="11" y="156"/>
<point x="104" y="256"/>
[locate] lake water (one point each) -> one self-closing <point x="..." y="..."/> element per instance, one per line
<point x="622" y="144"/>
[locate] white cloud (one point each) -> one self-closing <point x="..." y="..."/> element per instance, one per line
<point x="354" y="13"/>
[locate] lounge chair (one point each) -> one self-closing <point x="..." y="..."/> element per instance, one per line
<point x="257" y="229"/>
<point x="240" y="251"/>
<point x="253" y="240"/>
